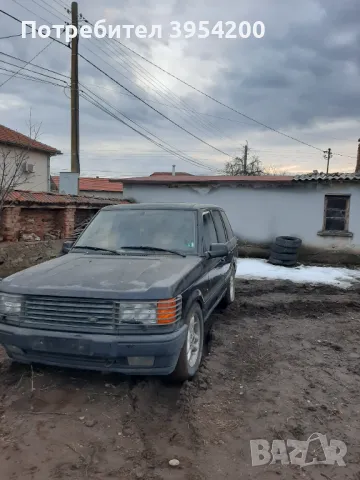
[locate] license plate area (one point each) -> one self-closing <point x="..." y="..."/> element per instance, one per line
<point x="61" y="345"/>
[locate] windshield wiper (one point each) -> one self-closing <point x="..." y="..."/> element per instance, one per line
<point x="157" y="249"/>
<point x="97" y="249"/>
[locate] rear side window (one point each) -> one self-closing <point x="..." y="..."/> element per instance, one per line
<point x="229" y="230"/>
<point x="219" y="226"/>
<point x="209" y="231"/>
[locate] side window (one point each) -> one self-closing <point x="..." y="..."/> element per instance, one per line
<point x="219" y="226"/>
<point x="209" y="231"/>
<point x="229" y="230"/>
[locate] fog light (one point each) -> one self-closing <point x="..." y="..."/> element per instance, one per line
<point x="14" y="349"/>
<point x="141" y="361"/>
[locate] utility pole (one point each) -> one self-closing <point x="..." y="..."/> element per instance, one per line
<point x="75" y="151"/>
<point x="327" y="155"/>
<point x="245" y="157"/>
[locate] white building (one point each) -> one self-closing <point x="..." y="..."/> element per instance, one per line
<point x="34" y="157"/>
<point x="323" y="210"/>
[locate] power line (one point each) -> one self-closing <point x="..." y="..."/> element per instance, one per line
<point x="28" y="77"/>
<point x="129" y="91"/>
<point x="51" y="6"/>
<point x="160" y="113"/>
<point x="149" y="78"/>
<point x="32" y="71"/>
<point x="215" y="100"/>
<point x="11" y="36"/>
<point x="196" y="124"/>
<point x="49" y="11"/>
<point x="152" y="79"/>
<point x="63" y="5"/>
<point x="127" y="94"/>
<point x="146" y="130"/>
<point x="35" y="65"/>
<point x="33" y="58"/>
<point x="132" y="128"/>
<point x="185" y="83"/>
<point x="28" y="10"/>
<point x="178" y="152"/>
<point x="19" y="21"/>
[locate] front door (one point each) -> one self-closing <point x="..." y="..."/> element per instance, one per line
<point x="215" y="266"/>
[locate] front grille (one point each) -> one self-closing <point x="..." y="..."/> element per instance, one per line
<point x="69" y="313"/>
<point x="88" y="315"/>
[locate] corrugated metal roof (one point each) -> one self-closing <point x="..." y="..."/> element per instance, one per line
<point x="11" y="137"/>
<point x="90" y="184"/>
<point x="25" y="196"/>
<point x="328" y="176"/>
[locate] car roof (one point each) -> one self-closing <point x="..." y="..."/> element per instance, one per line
<point x="161" y="206"/>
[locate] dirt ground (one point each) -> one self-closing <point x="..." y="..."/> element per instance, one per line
<point x="283" y="363"/>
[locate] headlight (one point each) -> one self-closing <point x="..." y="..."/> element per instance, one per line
<point x="10" y="304"/>
<point x="151" y="313"/>
<point x="138" y="313"/>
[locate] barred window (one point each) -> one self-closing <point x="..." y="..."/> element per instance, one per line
<point x="336" y="214"/>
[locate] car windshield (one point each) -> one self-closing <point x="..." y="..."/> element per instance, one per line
<point x="164" y="229"/>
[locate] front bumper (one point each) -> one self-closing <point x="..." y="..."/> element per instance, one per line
<point x="94" y="351"/>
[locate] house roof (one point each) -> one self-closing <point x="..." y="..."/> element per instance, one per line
<point x="316" y="176"/>
<point x="16" y="139"/>
<point x="224" y="179"/>
<point x="94" y="184"/>
<point x="156" y="174"/>
<point x="26" y="196"/>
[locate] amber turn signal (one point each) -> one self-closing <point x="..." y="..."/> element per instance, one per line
<point x="166" y="311"/>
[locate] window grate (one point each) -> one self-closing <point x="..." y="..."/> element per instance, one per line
<point x="336" y="215"/>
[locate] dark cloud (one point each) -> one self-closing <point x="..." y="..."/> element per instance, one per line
<point x="302" y="77"/>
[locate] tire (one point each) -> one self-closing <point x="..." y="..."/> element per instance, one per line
<point x="278" y="249"/>
<point x="188" y="365"/>
<point x="282" y="263"/>
<point x="287" y="257"/>
<point x="229" y="296"/>
<point x="292" y="242"/>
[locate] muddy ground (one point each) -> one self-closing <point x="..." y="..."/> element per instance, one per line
<point x="283" y="362"/>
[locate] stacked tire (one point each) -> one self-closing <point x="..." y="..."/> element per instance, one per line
<point x="284" y="251"/>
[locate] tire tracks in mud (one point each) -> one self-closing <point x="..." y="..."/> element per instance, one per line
<point x="162" y="416"/>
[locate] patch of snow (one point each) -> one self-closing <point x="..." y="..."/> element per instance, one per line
<point x="257" y="268"/>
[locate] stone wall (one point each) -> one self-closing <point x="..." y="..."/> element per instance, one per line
<point x="16" y="256"/>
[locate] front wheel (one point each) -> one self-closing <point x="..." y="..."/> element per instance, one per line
<point x="192" y="350"/>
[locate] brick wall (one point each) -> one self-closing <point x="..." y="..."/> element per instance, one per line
<point x="44" y="223"/>
<point x="24" y="223"/>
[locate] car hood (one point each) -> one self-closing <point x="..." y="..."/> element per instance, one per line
<point x="107" y="276"/>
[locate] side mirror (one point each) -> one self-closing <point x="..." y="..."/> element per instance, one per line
<point x="218" y="250"/>
<point x="67" y="246"/>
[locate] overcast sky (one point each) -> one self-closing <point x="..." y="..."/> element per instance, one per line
<point x="302" y="78"/>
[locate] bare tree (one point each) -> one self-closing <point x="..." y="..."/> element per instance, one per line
<point x="244" y="165"/>
<point x="274" y="170"/>
<point x="13" y="158"/>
